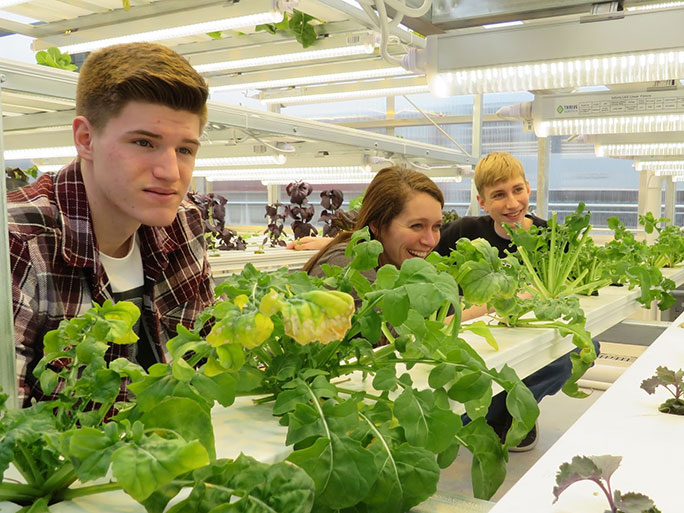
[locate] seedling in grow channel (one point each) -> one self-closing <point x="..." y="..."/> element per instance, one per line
<point x="599" y="469"/>
<point x="674" y="383"/>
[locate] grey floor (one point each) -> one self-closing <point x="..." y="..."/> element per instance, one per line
<point x="557" y="414"/>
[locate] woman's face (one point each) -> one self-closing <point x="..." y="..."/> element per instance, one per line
<point x="414" y="232"/>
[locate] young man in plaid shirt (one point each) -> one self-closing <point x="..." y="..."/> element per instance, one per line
<point x="113" y="224"/>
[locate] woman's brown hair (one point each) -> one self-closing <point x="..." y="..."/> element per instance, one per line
<point x="385" y="198"/>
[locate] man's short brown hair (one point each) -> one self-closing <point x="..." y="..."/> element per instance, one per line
<point x="495" y="168"/>
<point x="145" y="72"/>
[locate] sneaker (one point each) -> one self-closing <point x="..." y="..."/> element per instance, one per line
<point x="529" y="442"/>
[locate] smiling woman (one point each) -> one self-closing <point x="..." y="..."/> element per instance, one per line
<point x="403" y="210"/>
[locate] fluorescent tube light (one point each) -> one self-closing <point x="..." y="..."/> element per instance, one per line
<point x="345" y="95"/>
<point x="636" y="67"/>
<point x="9" y="3"/>
<point x="346" y="179"/>
<point x="179" y="31"/>
<point x="639" y="150"/>
<point x="556" y="55"/>
<point x="649" y="7"/>
<point x="254" y="160"/>
<point x="50" y="168"/>
<point x="271" y="172"/>
<point x="502" y="24"/>
<point x="287" y="58"/>
<point x="611" y="125"/>
<point x="664" y="167"/>
<point x="314" y="79"/>
<point x="37" y="153"/>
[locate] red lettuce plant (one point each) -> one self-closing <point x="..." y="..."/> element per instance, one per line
<point x="276" y="223"/>
<point x="300" y="210"/>
<point x="213" y="209"/>
<point x="335" y="219"/>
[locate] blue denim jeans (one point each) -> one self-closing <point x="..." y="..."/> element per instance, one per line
<point x="546" y="381"/>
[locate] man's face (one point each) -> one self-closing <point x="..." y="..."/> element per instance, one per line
<point x="506" y="202"/>
<point x="138" y="167"/>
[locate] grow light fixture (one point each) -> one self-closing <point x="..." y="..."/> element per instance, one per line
<point x="641" y="47"/>
<point x="650" y="7"/>
<point x="342" y="92"/>
<point x="663" y="167"/>
<point x="254" y="160"/>
<point x="49" y="168"/>
<point x="611" y="125"/>
<point x="38" y="153"/>
<point x="233" y="85"/>
<point x="9" y="3"/>
<point x="287" y="173"/>
<point x="173" y="25"/>
<point x="639" y="150"/>
<point x="284" y="53"/>
<point x="503" y="24"/>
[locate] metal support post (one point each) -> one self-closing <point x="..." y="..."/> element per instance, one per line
<point x="390" y="113"/>
<point x="543" y="178"/>
<point x="474" y="209"/>
<point x="670" y="200"/>
<point x="8" y="373"/>
<point x="650" y="197"/>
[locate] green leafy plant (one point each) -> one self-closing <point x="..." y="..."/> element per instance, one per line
<point x="668" y="249"/>
<point x="297" y="24"/>
<point x="355" y="204"/>
<point x="600" y="469"/>
<point x="630" y="262"/>
<point x="673" y="382"/>
<point x="151" y="445"/>
<point x="364" y="450"/>
<point x="502" y="284"/>
<point x="55" y="59"/>
<point x="16" y="177"/>
<point x="549" y="255"/>
<point x="449" y="216"/>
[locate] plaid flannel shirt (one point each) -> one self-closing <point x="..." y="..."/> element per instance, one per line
<point x="57" y="274"/>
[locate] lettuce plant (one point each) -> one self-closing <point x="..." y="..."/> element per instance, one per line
<point x="673" y="382"/>
<point x="486" y="279"/>
<point x="153" y="445"/>
<point x="55" y="59"/>
<point x="300" y="210"/>
<point x="213" y="209"/>
<point x="335" y="219"/>
<point x="276" y="224"/>
<point x="289" y="336"/>
<point x="600" y="469"/>
<point x="630" y="262"/>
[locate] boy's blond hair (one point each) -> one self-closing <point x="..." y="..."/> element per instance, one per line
<point x="495" y="168"/>
<point x="112" y="77"/>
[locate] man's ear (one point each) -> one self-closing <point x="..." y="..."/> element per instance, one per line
<point x="83" y="137"/>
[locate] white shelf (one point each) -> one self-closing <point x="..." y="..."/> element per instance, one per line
<point x="625" y="422"/>
<point x="245" y="427"/>
<point x="231" y="262"/>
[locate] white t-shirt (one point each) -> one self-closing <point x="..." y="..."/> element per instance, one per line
<point x="127" y="279"/>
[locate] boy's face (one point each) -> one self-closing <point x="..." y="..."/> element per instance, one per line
<point x="139" y="166"/>
<point x="506" y="202"/>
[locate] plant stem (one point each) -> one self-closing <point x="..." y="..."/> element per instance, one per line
<point x="72" y="493"/>
<point x="18" y="492"/>
<point x="388" y="334"/>
<point x="61" y="478"/>
<point x="353" y="392"/>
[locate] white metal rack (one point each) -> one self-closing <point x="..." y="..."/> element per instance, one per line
<point x="37" y="113"/>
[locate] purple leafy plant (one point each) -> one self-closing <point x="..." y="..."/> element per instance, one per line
<point x="213" y="209"/>
<point x="276" y="223"/>
<point x="599" y="469"/>
<point x="673" y="382"/>
<point x="300" y="210"/>
<point x="335" y="219"/>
